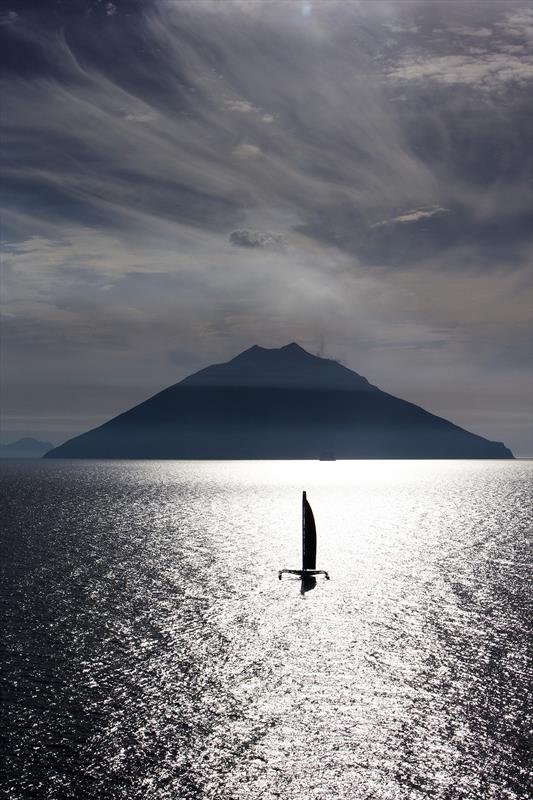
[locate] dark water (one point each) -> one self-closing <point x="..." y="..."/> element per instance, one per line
<point x="149" y="650"/>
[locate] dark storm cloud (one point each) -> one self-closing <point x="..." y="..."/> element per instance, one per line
<point x="386" y="143"/>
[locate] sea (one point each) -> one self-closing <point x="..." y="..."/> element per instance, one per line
<point x="150" y="652"/>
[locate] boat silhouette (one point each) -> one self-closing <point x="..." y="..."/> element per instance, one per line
<point x="308" y="545"/>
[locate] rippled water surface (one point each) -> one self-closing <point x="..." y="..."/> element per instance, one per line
<point x="151" y="652"/>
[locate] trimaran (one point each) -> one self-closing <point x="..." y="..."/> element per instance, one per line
<point x="308" y="545"/>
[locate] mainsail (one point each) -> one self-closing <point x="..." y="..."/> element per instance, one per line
<point x="308" y="536"/>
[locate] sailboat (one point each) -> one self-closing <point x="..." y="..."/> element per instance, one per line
<point x="308" y="545"/>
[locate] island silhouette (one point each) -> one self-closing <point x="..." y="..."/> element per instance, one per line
<point x="277" y="403"/>
<point x="25" y="448"/>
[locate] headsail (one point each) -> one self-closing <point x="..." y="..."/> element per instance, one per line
<point x="308" y="536"/>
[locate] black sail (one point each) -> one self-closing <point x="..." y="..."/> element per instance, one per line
<point x="308" y="535"/>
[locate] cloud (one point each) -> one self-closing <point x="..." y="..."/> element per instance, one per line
<point x="488" y="72"/>
<point x="464" y="30"/>
<point x="442" y="54"/>
<point x="150" y="117"/>
<point x="411" y="216"/>
<point x="186" y="146"/>
<point x="404" y="28"/>
<point x="252" y="239"/>
<point x="242" y="106"/>
<point x="8" y="17"/>
<point x="518" y="24"/>
<point x="246" y="150"/>
<point x="129" y="299"/>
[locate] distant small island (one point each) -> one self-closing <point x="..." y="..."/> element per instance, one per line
<point x="25" y="448"/>
<point x="277" y="404"/>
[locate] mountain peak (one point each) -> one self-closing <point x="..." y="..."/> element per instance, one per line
<point x="294" y="348"/>
<point x="25" y="448"/>
<point x="270" y="352"/>
<point x="281" y="367"/>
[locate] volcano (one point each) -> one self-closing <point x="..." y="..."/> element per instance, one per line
<point x="277" y="404"/>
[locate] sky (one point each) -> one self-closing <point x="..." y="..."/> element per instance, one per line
<point x="182" y="180"/>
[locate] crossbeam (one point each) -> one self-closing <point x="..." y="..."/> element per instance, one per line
<point x="303" y="573"/>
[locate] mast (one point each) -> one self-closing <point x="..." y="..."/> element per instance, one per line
<point x="304" y="501"/>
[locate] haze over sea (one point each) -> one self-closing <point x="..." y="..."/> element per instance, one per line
<point x="151" y="652"/>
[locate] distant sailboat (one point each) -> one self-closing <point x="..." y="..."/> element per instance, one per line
<point x="308" y="545"/>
